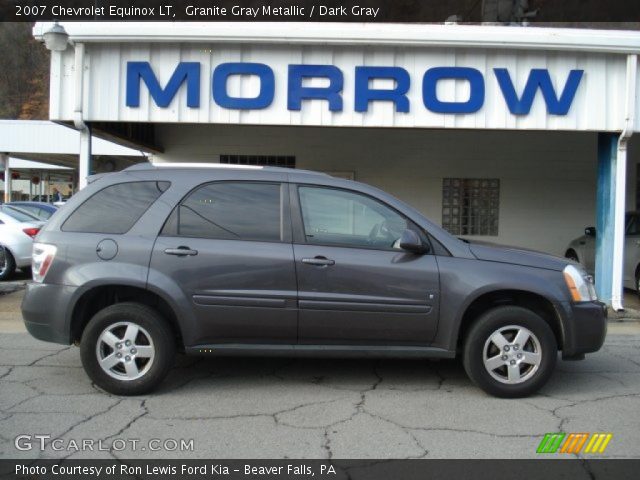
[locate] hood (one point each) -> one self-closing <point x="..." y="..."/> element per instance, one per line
<point x="517" y="256"/>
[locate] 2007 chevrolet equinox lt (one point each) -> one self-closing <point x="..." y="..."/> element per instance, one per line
<point x="234" y="261"/>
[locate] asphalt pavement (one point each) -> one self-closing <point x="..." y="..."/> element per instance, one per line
<point x="294" y="408"/>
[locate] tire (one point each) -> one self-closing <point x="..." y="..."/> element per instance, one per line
<point x="7" y="264"/>
<point x="525" y="376"/>
<point x="142" y="364"/>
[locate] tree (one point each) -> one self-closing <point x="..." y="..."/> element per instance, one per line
<point x="24" y="73"/>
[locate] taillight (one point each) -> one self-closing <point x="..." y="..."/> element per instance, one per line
<point x="32" y="231"/>
<point x="41" y="260"/>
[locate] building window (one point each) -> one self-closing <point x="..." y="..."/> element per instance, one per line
<point x="470" y="205"/>
<point x="287" y="161"/>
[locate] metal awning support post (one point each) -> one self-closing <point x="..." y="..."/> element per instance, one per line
<point x="84" y="166"/>
<point x="4" y="162"/>
<point x="611" y="203"/>
<point x="605" y="214"/>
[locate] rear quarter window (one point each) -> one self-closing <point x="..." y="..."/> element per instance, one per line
<point x="114" y="209"/>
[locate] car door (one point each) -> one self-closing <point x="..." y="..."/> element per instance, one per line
<point x="355" y="285"/>
<point x="227" y="245"/>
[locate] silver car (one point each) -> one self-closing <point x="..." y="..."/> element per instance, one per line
<point x="17" y="230"/>
<point x="583" y="250"/>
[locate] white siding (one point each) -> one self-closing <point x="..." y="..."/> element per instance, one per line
<point x="598" y="106"/>
<point x="547" y="180"/>
<point x="38" y="136"/>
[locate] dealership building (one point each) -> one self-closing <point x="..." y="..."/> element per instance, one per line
<point x="513" y="135"/>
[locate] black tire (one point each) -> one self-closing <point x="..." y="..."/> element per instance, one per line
<point x="152" y="371"/>
<point x="7" y="264"/>
<point x="532" y="377"/>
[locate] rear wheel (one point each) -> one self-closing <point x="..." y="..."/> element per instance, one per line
<point x="7" y="264"/>
<point x="510" y="352"/>
<point x="127" y="349"/>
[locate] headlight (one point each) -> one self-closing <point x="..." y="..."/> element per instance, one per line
<point x="41" y="259"/>
<point x="580" y="284"/>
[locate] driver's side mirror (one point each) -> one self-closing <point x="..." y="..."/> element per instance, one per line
<point x="411" y="242"/>
<point x="590" y="231"/>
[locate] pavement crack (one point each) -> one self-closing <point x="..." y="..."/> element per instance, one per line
<point x="326" y="444"/>
<point x="52" y="354"/>
<point x="7" y="373"/>
<point x="88" y="419"/>
<point x="143" y="405"/>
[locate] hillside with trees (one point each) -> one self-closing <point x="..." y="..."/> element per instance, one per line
<point x="24" y="73"/>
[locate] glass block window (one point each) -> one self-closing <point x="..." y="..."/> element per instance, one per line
<point x="470" y="206"/>
<point x="287" y="161"/>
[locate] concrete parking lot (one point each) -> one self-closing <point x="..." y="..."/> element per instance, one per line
<point x="276" y="408"/>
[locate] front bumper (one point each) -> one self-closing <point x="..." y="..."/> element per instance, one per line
<point x="45" y="310"/>
<point x="584" y="329"/>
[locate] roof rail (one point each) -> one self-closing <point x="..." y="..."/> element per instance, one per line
<point x="151" y="166"/>
<point x="212" y="165"/>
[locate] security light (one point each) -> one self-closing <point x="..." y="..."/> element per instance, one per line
<point x="56" y="38"/>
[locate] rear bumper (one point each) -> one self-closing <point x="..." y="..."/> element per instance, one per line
<point x="585" y="328"/>
<point x="44" y="311"/>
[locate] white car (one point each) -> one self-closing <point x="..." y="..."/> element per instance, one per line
<point x="17" y="230"/>
<point x="583" y="250"/>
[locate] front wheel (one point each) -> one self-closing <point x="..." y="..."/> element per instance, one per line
<point x="510" y="352"/>
<point x="127" y="349"/>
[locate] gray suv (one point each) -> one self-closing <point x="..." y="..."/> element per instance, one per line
<point x="209" y="260"/>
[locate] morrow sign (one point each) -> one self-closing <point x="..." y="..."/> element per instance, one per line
<point x="519" y="101"/>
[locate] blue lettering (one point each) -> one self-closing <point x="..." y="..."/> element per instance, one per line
<point x="430" y="83"/>
<point x="189" y="71"/>
<point x="397" y="95"/>
<point x="538" y="78"/>
<point x="331" y="93"/>
<point x="225" y="70"/>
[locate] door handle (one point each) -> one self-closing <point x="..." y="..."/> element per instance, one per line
<point x="319" y="261"/>
<point x="181" y="251"/>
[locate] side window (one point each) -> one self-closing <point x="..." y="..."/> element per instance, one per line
<point x="230" y="211"/>
<point x="633" y="225"/>
<point x="340" y="217"/>
<point x="114" y="209"/>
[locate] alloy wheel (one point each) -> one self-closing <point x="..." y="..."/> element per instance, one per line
<point x="512" y="354"/>
<point x="125" y="351"/>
